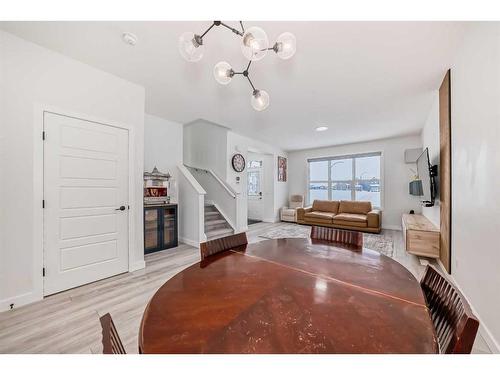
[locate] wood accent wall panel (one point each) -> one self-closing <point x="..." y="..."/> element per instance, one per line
<point x="445" y="172"/>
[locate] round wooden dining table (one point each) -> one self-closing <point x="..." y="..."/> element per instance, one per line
<point x="290" y="296"/>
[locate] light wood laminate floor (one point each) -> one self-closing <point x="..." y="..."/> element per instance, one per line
<point x="68" y="322"/>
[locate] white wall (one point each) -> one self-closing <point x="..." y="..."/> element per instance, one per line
<point x="205" y="146"/>
<point x="3" y="174"/>
<point x="475" y="121"/>
<point x="32" y="75"/>
<point x="395" y="173"/>
<point x="192" y="210"/>
<point x="163" y="148"/>
<point x="430" y="139"/>
<point x="237" y="143"/>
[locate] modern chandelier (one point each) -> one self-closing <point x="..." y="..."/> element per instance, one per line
<point x="254" y="46"/>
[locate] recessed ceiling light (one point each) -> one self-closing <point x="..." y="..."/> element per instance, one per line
<point x="129" y="38"/>
<point x="321" y="128"/>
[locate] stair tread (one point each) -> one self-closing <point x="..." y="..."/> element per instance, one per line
<point x="214" y="222"/>
<point x="218" y="232"/>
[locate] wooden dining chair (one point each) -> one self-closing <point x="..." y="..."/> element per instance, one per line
<point x="111" y="343"/>
<point x="339" y="236"/>
<point x="222" y="244"/>
<point x="453" y="319"/>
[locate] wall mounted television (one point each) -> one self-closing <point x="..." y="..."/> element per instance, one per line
<point x="426" y="174"/>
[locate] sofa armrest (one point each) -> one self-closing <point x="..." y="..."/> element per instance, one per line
<point x="374" y="218"/>
<point x="301" y="211"/>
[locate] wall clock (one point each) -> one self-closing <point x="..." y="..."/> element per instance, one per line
<point x="238" y="162"/>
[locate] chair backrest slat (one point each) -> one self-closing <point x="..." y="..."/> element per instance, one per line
<point x="338" y="236"/>
<point x="454" y="322"/>
<point x="111" y="343"/>
<point x="218" y="245"/>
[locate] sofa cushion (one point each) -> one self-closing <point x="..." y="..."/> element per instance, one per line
<point x="320" y="215"/>
<point x="352" y="217"/>
<point x="355" y="207"/>
<point x="288" y="211"/>
<point x="326" y="206"/>
<point x="350" y="224"/>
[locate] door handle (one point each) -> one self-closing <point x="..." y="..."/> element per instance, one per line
<point x="121" y="208"/>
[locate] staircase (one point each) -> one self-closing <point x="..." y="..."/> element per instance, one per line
<point x="215" y="224"/>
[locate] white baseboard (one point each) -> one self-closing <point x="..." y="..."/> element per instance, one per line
<point x="189" y="242"/>
<point x="484" y="332"/>
<point x="136" y="266"/>
<point x="18" y="301"/>
<point x="271" y="220"/>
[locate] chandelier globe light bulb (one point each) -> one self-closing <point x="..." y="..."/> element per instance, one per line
<point x="285" y="46"/>
<point x="191" y="46"/>
<point x="223" y="72"/>
<point x="254" y="44"/>
<point x="259" y="100"/>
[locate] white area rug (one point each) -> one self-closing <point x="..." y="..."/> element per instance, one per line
<point x="376" y="242"/>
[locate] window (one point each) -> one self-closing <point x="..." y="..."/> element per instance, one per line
<point x="254" y="183"/>
<point x="350" y="177"/>
<point x="254" y="164"/>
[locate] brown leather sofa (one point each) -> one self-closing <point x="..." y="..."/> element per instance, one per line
<point x="351" y="215"/>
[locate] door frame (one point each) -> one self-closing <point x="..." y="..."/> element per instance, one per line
<point x="261" y="185"/>
<point x="269" y="176"/>
<point x="38" y="185"/>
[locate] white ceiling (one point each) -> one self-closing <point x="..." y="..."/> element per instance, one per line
<point x="364" y="80"/>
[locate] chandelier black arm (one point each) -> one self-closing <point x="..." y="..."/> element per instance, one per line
<point x="220" y="23"/>
<point x="232" y="29"/>
<point x="251" y="84"/>
<point x="245" y="74"/>
<point x="207" y="30"/>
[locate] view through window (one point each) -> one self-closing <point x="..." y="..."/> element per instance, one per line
<point x="253" y="177"/>
<point x="350" y="177"/>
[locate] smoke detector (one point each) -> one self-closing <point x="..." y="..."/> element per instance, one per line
<point x="129" y="39"/>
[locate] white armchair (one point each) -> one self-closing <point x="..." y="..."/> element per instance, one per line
<point x="290" y="213"/>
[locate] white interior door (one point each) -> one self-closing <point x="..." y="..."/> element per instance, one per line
<point x="85" y="183"/>
<point x="255" y="182"/>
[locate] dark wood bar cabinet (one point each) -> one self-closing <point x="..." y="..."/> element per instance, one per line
<point x="160" y="227"/>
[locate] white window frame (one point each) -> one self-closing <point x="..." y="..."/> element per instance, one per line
<point x="329" y="182"/>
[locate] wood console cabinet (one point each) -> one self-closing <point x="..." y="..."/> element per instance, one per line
<point x="160" y="227"/>
<point x="421" y="237"/>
